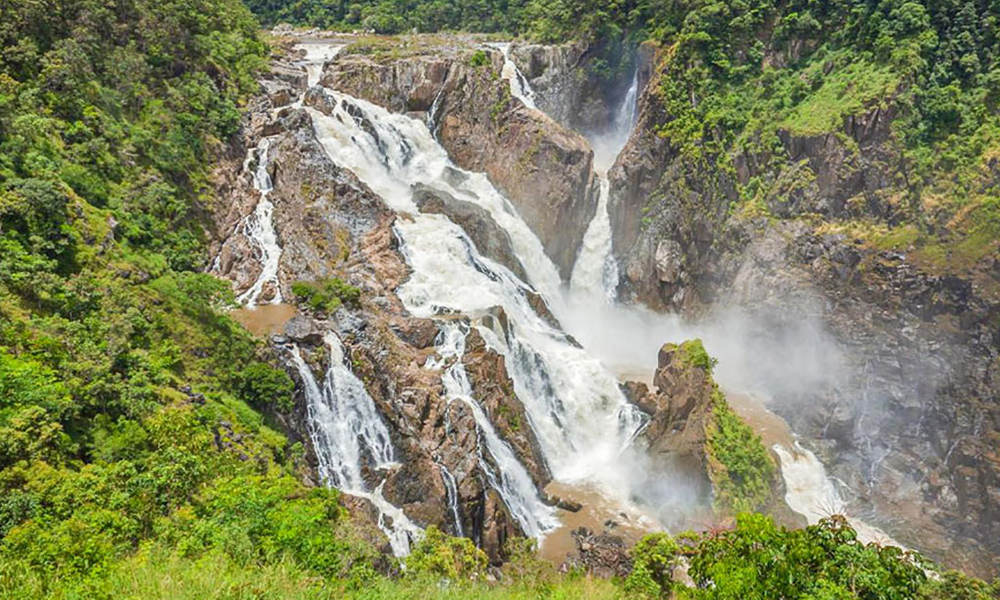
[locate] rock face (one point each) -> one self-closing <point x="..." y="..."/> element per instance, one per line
<point x="543" y="168"/>
<point x="903" y="407"/>
<point x="600" y="554"/>
<point x="680" y="411"/>
<point x="329" y="224"/>
<point x="568" y="88"/>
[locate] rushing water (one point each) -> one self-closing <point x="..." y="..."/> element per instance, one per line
<point x="451" y="497"/>
<point x="519" y="87"/>
<point x="595" y="274"/>
<point x="258" y="227"/>
<point x="812" y="494"/>
<point x="573" y="403"/>
<point x="513" y="482"/>
<point x="347" y="432"/>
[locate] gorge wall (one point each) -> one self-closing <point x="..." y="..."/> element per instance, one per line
<point x="906" y="412"/>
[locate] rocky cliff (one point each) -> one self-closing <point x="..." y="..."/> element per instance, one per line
<point x="912" y="422"/>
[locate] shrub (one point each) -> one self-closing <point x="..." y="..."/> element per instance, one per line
<point x="479" y="59"/>
<point x="326" y="295"/>
<point x="653" y="561"/>
<point x="693" y="353"/>
<point x="260" y="384"/>
<point x="444" y="556"/>
<point x="740" y="466"/>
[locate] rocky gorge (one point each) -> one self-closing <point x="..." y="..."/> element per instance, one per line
<point x="421" y="173"/>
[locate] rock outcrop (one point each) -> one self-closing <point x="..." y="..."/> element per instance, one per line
<point x="680" y="410"/>
<point x="543" y="168"/>
<point x="490" y="239"/>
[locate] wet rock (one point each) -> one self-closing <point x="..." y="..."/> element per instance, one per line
<point x="680" y="411"/>
<point x="304" y="330"/>
<point x="490" y="239"/>
<point x="602" y="555"/>
<point x="542" y="167"/>
<point x="329" y="224"/>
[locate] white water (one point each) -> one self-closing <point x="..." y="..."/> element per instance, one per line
<point x="451" y="497"/>
<point x="347" y="432"/>
<point x="572" y="402"/>
<point x="258" y="227"/>
<point x="316" y="55"/>
<point x="812" y="494"/>
<point x="514" y="484"/>
<point x="595" y="273"/>
<point x="519" y="87"/>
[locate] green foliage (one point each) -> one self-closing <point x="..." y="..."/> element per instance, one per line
<point x="444" y="556"/>
<point x="262" y="385"/>
<point x="759" y="560"/>
<point x="653" y="562"/>
<point x="479" y="58"/>
<point x="327" y="295"/>
<point x="740" y="467"/>
<point x="953" y="585"/>
<point x="692" y="353"/>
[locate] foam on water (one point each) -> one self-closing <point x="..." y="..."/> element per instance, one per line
<point x="347" y="432"/>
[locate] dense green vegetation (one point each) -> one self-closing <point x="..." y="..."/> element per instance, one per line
<point x="128" y="403"/>
<point x="736" y="74"/>
<point x="327" y="295"/>
<point x="757" y="559"/>
<point x="741" y="468"/>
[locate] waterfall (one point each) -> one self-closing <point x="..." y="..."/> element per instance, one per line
<point x="258" y="227"/>
<point x="595" y="273"/>
<point x="573" y="403"/>
<point x="451" y="497"/>
<point x="812" y="494"/>
<point x="519" y="86"/>
<point x="514" y="484"/>
<point x="347" y="432"/>
<point x="317" y="55"/>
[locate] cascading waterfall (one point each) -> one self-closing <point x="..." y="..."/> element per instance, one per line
<point x="573" y="403"/>
<point x="451" y="497"/>
<point x="258" y="227"/>
<point x="519" y="87"/>
<point x="811" y="493"/>
<point x="514" y="484"/>
<point x="346" y="432"/>
<point x="595" y="274"/>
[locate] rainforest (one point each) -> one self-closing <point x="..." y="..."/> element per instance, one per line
<point x="500" y="299"/>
